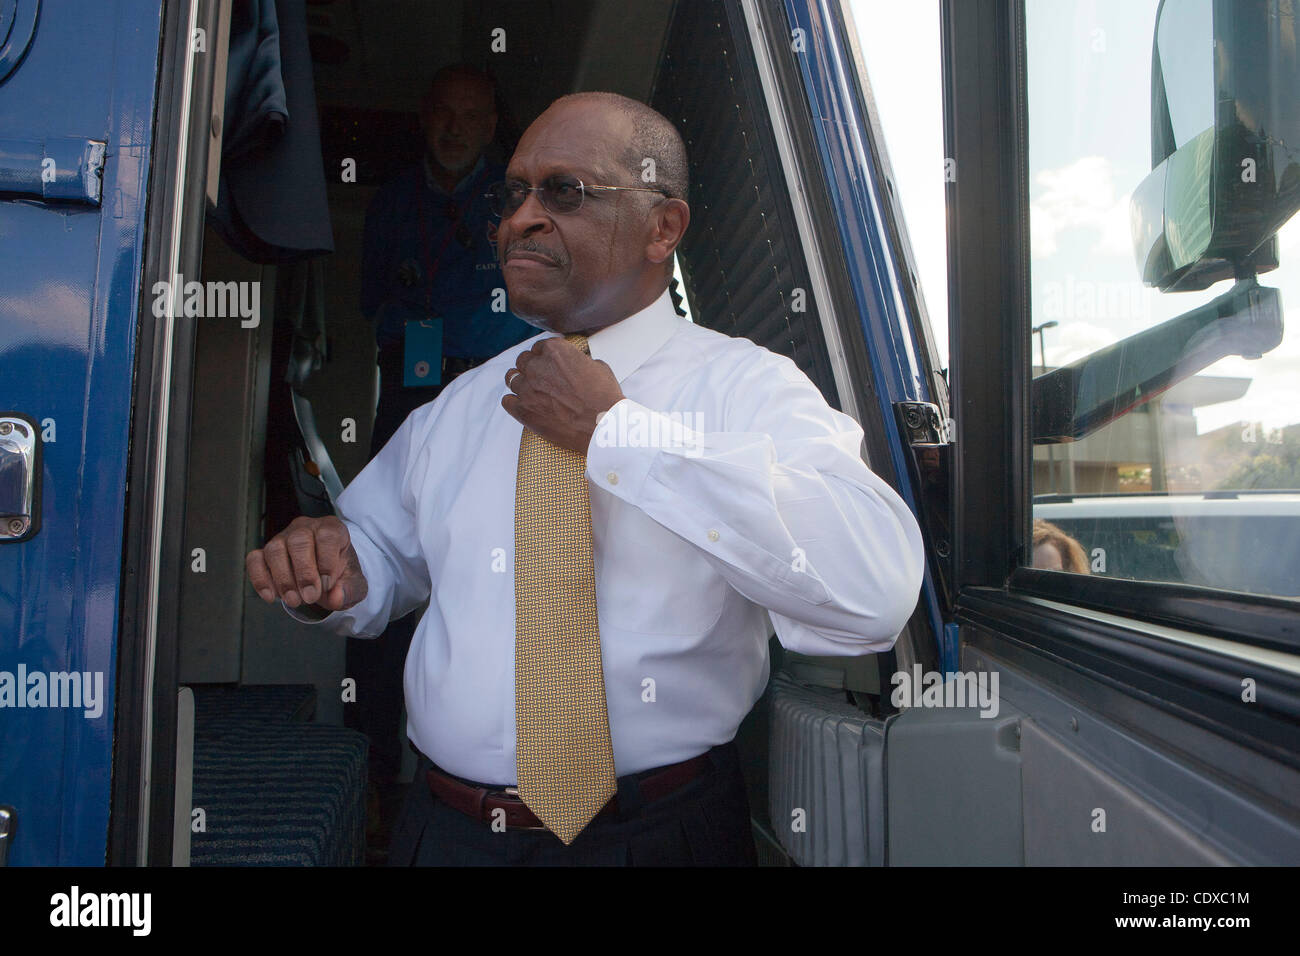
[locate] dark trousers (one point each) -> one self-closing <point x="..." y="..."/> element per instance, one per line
<point x="705" y="823"/>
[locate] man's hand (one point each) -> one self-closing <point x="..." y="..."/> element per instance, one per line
<point x="558" y="391"/>
<point x="310" y="562"/>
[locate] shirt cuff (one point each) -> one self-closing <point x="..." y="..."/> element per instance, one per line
<point x="627" y="441"/>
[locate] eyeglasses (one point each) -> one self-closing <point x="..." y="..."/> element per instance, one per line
<point x="558" y="194"/>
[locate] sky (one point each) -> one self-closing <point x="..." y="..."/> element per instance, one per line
<point x="1089" y="76"/>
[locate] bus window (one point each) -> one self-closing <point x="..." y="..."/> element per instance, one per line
<point x="1165" y="387"/>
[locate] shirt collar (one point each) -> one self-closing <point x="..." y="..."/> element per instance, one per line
<point x="625" y="345"/>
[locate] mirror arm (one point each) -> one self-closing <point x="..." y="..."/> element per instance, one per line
<point x="1075" y="400"/>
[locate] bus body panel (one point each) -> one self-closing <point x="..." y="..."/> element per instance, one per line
<point x="70" y="275"/>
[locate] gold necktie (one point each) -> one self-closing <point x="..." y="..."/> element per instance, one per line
<point x="563" y="754"/>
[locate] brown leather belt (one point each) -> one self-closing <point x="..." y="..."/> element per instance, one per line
<point x="481" y="802"/>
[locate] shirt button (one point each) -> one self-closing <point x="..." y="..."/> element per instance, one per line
<point x="713" y="535"/>
<point x="612" y="478"/>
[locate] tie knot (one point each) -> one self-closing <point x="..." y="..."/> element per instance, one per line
<point x="579" y="342"/>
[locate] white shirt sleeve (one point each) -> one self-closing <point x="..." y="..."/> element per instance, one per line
<point x="379" y="510"/>
<point x="779" y="500"/>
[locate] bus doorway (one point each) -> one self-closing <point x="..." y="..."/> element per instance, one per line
<point x="284" y="412"/>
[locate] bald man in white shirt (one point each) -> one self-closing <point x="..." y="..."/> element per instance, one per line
<point x="722" y="491"/>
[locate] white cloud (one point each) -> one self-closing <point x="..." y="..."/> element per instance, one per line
<point x="1081" y="195"/>
<point x="1273" y="396"/>
<point x="1288" y="238"/>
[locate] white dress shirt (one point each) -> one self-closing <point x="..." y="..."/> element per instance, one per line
<point x="722" y="485"/>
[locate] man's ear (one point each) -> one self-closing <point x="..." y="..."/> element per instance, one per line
<point x="668" y="222"/>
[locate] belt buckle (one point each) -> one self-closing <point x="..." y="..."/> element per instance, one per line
<point x="514" y="792"/>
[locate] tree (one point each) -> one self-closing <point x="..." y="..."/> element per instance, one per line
<point x="1269" y="467"/>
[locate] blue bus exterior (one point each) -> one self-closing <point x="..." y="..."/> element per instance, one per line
<point x="70" y="270"/>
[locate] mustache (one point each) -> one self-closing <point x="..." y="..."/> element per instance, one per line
<point x="532" y="245"/>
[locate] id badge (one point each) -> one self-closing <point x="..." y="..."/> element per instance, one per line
<point x="422" y="353"/>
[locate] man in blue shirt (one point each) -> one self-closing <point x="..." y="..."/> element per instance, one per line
<point x="431" y="283"/>
<point x="429" y="275"/>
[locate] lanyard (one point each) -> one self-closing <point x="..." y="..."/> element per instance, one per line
<point x="432" y="262"/>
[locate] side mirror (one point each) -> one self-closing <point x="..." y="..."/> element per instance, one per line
<point x="1225" y="142"/>
<point x="1225" y="146"/>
